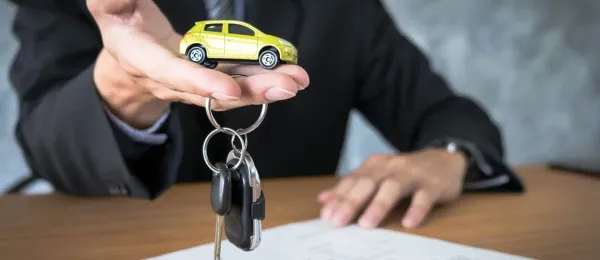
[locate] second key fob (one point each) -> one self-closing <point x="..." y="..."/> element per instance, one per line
<point x="243" y="224"/>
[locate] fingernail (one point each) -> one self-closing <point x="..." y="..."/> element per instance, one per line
<point x="325" y="213"/>
<point x="224" y="97"/>
<point x="367" y="221"/>
<point x="340" y="219"/>
<point x="300" y="87"/>
<point x="323" y="195"/>
<point x="275" y="94"/>
<point x="408" y="223"/>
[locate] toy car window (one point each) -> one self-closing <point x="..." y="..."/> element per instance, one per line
<point x="214" y="27"/>
<point x="240" y="29"/>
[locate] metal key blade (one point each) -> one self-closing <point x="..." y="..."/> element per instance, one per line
<point x="218" y="233"/>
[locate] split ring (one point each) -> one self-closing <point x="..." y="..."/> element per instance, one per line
<point x="251" y="128"/>
<point x="233" y="146"/>
<point x="210" y="136"/>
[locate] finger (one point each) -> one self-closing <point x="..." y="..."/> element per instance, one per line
<point x="365" y="169"/>
<point x="420" y="206"/>
<point x="263" y="89"/>
<point x="325" y="196"/>
<point x="390" y="192"/>
<point x="257" y="89"/>
<point x="139" y="46"/>
<point x="142" y="56"/>
<point x="296" y="72"/>
<point x="353" y="201"/>
<point x="375" y="167"/>
<point x="343" y="186"/>
<point x="110" y="7"/>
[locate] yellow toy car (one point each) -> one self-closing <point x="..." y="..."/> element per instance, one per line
<point x="228" y="40"/>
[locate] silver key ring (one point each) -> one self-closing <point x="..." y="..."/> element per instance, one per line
<point x="210" y="136"/>
<point x="233" y="146"/>
<point x="214" y="122"/>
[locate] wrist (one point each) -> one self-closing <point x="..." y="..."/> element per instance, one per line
<point x="139" y="113"/>
<point x="135" y="107"/>
<point x="456" y="158"/>
<point x="124" y="97"/>
<point x="475" y="164"/>
<point x="462" y="159"/>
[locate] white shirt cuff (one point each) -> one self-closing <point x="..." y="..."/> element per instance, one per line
<point x="148" y="135"/>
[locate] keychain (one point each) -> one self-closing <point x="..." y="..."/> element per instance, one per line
<point x="236" y="194"/>
<point x="243" y="225"/>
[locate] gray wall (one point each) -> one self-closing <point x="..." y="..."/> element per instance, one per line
<point x="532" y="64"/>
<point x="12" y="165"/>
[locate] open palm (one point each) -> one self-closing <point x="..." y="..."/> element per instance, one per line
<point x="140" y="38"/>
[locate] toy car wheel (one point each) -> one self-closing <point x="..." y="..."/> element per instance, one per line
<point x="210" y="64"/>
<point x="197" y="54"/>
<point x="268" y="59"/>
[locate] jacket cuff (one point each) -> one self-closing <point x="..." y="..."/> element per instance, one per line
<point x="77" y="151"/>
<point x="148" y="135"/>
<point x="501" y="178"/>
<point x="82" y="154"/>
<point x="483" y="171"/>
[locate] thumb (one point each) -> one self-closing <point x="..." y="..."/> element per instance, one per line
<point x="138" y="36"/>
<point x="111" y="7"/>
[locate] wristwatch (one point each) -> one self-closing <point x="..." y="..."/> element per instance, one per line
<point x="476" y="163"/>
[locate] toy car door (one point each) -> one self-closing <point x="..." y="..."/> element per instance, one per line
<point x="241" y="42"/>
<point x="213" y="39"/>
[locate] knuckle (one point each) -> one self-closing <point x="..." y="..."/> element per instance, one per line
<point x="345" y="205"/>
<point x="345" y="183"/>
<point x="298" y="73"/>
<point x="376" y="158"/>
<point x="419" y="209"/>
<point x="367" y="182"/>
<point x="288" y="84"/>
<point x="434" y="181"/>
<point x="334" y="202"/>
<point x="381" y="205"/>
<point x="392" y="182"/>
<point x="401" y="162"/>
<point x="349" y="204"/>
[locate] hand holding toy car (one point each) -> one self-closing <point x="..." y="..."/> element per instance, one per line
<point x="229" y="40"/>
<point x="139" y="72"/>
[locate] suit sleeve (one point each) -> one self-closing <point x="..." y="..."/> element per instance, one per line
<point x="65" y="134"/>
<point x="410" y="104"/>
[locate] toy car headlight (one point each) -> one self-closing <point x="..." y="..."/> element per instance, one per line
<point x="284" y="42"/>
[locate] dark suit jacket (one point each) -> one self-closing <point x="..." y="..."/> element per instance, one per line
<point x="354" y="54"/>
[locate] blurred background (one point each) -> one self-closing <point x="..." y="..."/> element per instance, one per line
<point x="534" y="65"/>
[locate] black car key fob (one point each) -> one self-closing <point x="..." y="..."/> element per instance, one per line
<point x="243" y="224"/>
<point x="220" y="190"/>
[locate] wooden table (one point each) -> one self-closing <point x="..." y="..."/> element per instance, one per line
<point x="557" y="218"/>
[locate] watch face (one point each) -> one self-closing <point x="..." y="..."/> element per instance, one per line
<point x="452" y="147"/>
<point x="477" y="161"/>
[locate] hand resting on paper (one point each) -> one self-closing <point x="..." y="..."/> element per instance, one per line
<point x="431" y="176"/>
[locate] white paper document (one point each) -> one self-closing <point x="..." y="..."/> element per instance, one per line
<point x="316" y="240"/>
